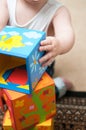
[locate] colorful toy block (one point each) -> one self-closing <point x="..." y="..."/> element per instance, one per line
<point x="1" y="102"/>
<point x="29" y="110"/>
<point x="7" y="124"/>
<point x="20" y="46"/>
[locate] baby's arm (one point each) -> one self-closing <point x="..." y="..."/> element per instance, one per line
<point x="63" y="40"/>
<point x="3" y="14"/>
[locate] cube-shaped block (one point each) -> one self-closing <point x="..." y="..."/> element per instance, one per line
<point x="7" y="124"/>
<point x="20" y="46"/>
<point x="46" y="125"/>
<point x="1" y="102"/>
<point x="29" y="110"/>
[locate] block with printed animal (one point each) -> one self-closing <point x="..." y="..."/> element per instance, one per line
<point x="20" y="46"/>
<point x="46" y="125"/>
<point x="29" y="110"/>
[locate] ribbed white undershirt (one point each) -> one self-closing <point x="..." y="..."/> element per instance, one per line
<point x="40" y="21"/>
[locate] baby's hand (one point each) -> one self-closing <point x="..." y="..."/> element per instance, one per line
<point x="52" y="48"/>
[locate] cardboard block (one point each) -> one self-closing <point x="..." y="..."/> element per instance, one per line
<point x="1" y="102"/>
<point x="7" y="124"/>
<point x="27" y="110"/>
<point x="20" y="46"/>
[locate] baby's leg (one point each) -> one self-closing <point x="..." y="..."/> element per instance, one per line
<point x="61" y="84"/>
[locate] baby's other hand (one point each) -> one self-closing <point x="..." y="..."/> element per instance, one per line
<point x="52" y="47"/>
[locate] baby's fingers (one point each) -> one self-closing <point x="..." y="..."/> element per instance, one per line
<point x="45" y="48"/>
<point x="48" y="63"/>
<point x="45" y="58"/>
<point x="47" y="41"/>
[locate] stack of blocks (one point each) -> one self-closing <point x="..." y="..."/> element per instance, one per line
<point x="27" y="89"/>
<point x="47" y="125"/>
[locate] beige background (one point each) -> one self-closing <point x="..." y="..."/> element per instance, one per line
<point x="73" y="64"/>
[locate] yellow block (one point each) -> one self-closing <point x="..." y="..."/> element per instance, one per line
<point x="7" y="124"/>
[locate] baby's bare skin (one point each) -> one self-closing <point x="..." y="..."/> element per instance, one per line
<point x="60" y="35"/>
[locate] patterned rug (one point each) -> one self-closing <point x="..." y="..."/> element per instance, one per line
<point x="71" y="112"/>
<point x="1" y="118"/>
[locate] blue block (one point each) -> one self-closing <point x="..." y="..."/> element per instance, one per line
<point x="20" y="46"/>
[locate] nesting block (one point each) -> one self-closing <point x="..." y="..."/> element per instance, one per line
<point x="20" y="46"/>
<point x="29" y="110"/>
<point x="47" y="125"/>
<point x="7" y="124"/>
<point x="1" y="102"/>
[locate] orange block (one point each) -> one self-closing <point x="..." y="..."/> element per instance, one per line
<point x="29" y="110"/>
<point x="7" y="124"/>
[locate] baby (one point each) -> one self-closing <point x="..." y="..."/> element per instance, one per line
<point x="44" y="15"/>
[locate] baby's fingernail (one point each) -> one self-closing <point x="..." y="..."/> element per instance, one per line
<point x="40" y="61"/>
<point x="40" y="49"/>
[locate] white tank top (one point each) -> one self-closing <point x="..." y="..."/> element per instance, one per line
<point x="40" y="21"/>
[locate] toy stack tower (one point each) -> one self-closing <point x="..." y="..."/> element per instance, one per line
<point x="25" y="87"/>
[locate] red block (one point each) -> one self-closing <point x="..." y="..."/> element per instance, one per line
<point x="1" y="102"/>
